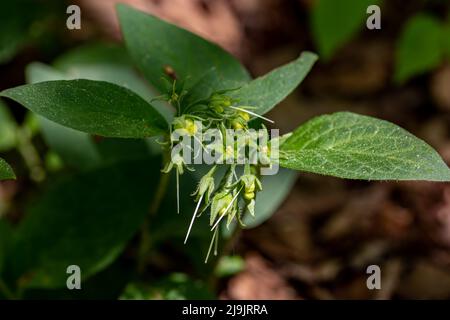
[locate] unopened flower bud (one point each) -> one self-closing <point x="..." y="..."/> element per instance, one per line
<point x="237" y="125"/>
<point x="249" y="195"/>
<point x="250" y="188"/>
<point x="244" y="115"/>
<point x="206" y="186"/>
<point x="186" y="124"/>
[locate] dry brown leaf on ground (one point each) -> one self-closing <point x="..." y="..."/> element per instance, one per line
<point x="259" y="281"/>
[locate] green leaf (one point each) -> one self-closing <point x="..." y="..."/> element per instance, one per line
<point x="8" y="127"/>
<point x="75" y="147"/>
<point x="16" y="18"/>
<point x="352" y="146"/>
<point x="84" y="220"/>
<point x="155" y="44"/>
<point x="28" y="23"/>
<point x="110" y="63"/>
<point x="229" y="266"/>
<point x="420" y="47"/>
<point x="37" y="72"/>
<point x="333" y="23"/>
<point x="92" y="62"/>
<point x="94" y="107"/>
<point x="269" y="90"/>
<point x="93" y="54"/>
<point x="275" y="190"/>
<point x="6" y="173"/>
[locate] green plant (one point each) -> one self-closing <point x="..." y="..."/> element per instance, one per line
<point x="94" y="91"/>
<point x="422" y="46"/>
<point x="334" y="23"/>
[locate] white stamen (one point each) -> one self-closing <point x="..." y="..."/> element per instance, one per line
<point x="178" y="192"/>
<point x="253" y="114"/>
<point x="217" y="222"/>
<point x="210" y="246"/>
<point x="193" y="218"/>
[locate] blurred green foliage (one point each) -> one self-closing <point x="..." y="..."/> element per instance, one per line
<point x="229" y="266"/>
<point x="334" y="23"/>
<point x="422" y="46"/>
<point x="25" y="23"/>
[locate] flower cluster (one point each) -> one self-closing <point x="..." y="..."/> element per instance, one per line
<point x="235" y="193"/>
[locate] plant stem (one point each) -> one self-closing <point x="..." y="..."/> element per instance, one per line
<point x="161" y="189"/>
<point x="30" y="155"/>
<point x="145" y="244"/>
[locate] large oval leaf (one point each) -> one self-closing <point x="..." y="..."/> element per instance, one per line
<point x="105" y="62"/>
<point x="84" y="220"/>
<point x="155" y="44"/>
<point x="352" y="146"/>
<point x="94" y="107"/>
<point x="5" y="171"/>
<point x="267" y="91"/>
<point x="101" y="62"/>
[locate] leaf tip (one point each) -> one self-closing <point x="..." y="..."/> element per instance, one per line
<point x="7" y="172"/>
<point x="310" y="56"/>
